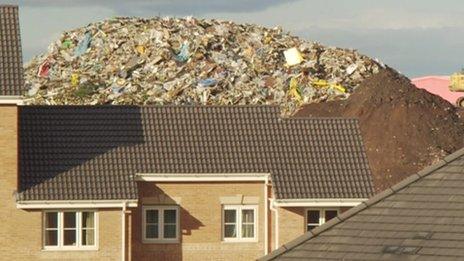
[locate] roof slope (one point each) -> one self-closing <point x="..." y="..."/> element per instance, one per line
<point x="420" y="218"/>
<point x="11" y="63"/>
<point x="78" y="152"/>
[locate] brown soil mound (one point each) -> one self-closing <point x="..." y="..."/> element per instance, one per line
<point x="404" y="128"/>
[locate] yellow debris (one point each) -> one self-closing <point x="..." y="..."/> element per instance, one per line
<point x="457" y="82"/>
<point x="74" y="79"/>
<point x="294" y="90"/>
<point x="140" y="49"/>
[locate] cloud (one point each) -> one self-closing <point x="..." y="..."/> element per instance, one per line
<point x="158" y="7"/>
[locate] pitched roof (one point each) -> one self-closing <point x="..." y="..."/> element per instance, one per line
<point x="420" y="218"/>
<point x="79" y="152"/>
<point x="11" y="63"/>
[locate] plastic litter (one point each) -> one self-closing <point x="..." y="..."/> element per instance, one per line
<point x="162" y="61"/>
<point x="83" y="45"/>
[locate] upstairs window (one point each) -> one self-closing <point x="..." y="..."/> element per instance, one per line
<point x="160" y="224"/>
<point x="69" y="230"/>
<point x="239" y="223"/>
<point x="317" y="217"/>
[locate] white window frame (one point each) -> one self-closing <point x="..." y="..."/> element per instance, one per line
<point x="238" y="212"/>
<point x="60" y="234"/>
<point x="160" y="238"/>
<point x="321" y="216"/>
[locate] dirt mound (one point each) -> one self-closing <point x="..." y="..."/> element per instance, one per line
<point x="404" y="128"/>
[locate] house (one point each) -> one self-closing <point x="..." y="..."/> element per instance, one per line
<point x="439" y="85"/>
<point x="164" y="182"/>
<point x="420" y="218"/>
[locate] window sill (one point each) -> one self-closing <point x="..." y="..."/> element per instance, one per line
<point x="61" y="249"/>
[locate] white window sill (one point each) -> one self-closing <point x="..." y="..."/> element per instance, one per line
<point x="59" y="249"/>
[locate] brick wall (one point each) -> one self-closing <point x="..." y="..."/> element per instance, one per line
<point x="200" y="222"/>
<point x="21" y="231"/>
<point x="292" y="223"/>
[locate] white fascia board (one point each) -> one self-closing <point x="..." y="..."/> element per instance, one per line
<point x="18" y="100"/>
<point x="67" y="204"/>
<point x="340" y="202"/>
<point x="201" y="177"/>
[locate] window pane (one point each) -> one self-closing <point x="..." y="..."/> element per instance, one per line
<point x="69" y="219"/>
<point x="230" y="216"/>
<point x="248" y="231"/>
<point x="230" y="231"/>
<point x="170" y="216"/>
<point x="169" y="231"/>
<point x="313" y="216"/>
<point x="152" y="216"/>
<point x="248" y="216"/>
<point x="88" y="237"/>
<point x="151" y="231"/>
<point x="88" y="220"/>
<point x="51" y="238"/>
<point x="69" y="237"/>
<point x="329" y="214"/>
<point x="51" y="220"/>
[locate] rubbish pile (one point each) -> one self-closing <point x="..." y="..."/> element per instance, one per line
<point x="191" y="61"/>
<point x="404" y="128"/>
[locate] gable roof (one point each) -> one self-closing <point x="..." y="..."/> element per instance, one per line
<point x="420" y="218"/>
<point x="11" y="65"/>
<point x="87" y="153"/>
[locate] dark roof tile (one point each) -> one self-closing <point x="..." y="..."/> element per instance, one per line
<point x="11" y="66"/>
<point x="82" y="152"/>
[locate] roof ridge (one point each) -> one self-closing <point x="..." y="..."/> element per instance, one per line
<point x="364" y="205"/>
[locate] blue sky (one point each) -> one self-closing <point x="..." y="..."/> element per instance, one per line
<point x="417" y="37"/>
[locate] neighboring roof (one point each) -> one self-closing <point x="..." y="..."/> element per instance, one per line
<point x="94" y="152"/>
<point x="420" y="218"/>
<point x="11" y="65"/>
<point x="438" y="85"/>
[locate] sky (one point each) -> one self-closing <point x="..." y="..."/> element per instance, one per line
<point x="416" y="37"/>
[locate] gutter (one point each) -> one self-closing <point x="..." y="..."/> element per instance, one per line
<point x="201" y="177"/>
<point x="66" y="204"/>
<point x="310" y="202"/>
<point x="11" y="99"/>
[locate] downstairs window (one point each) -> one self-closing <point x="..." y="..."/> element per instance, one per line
<point x="70" y="230"/>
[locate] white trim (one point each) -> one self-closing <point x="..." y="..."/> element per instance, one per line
<point x="123" y="231"/>
<point x="160" y="239"/>
<point x="319" y="202"/>
<point x="78" y="228"/>
<point x="238" y="212"/>
<point x="9" y="99"/>
<point x="276" y="223"/>
<point x="198" y="177"/>
<point x="74" y="204"/>
<point x="266" y="217"/>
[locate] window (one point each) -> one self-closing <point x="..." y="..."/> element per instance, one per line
<point x="160" y="224"/>
<point x="317" y="217"/>
<point x="70" y="230"/>
<point x="239" y="223"/>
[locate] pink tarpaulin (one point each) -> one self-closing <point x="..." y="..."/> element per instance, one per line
<point x="438" y="85"/>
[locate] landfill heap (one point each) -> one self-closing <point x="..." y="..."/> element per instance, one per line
<point x="161" y="61"/>
<point x="404" y="128"/>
